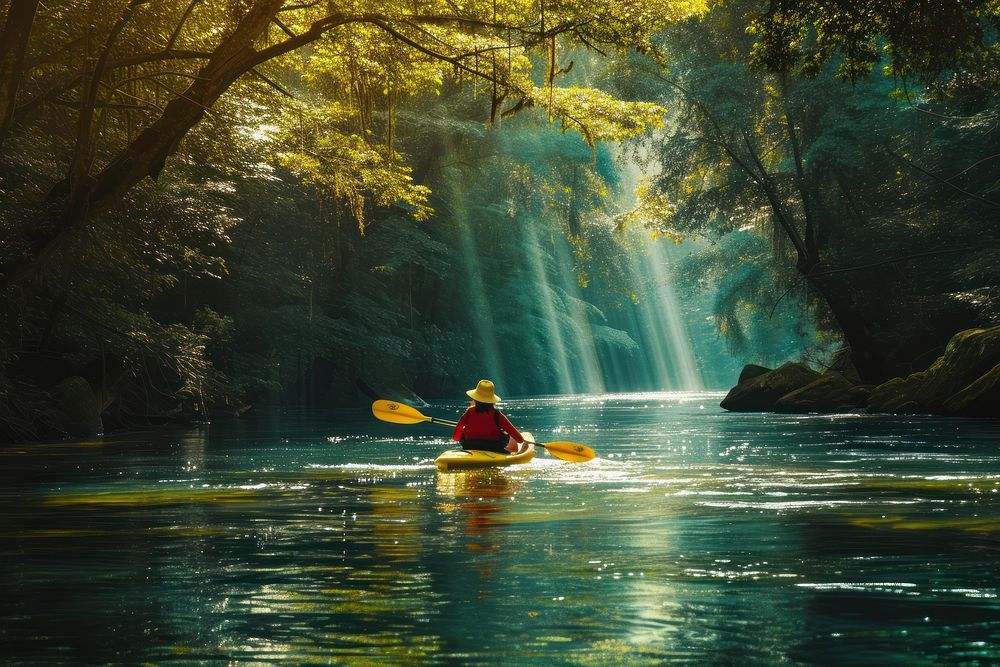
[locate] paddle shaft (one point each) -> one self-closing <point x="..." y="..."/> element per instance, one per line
<point x="400" y="413"/>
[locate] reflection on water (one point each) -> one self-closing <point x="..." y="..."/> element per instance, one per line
<point x="476" y="494"/>
<point x="697" y="536"/>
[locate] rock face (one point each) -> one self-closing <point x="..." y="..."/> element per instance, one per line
<point x="964" y="381"/>
<point x="74" y="408"/>
<point x="831" y="392"/>
<point x="761" y="392"/>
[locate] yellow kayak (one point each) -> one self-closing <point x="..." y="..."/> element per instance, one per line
<point x="462" y="459"/>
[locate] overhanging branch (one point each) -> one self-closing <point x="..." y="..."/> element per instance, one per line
<point x="944" y="181"/>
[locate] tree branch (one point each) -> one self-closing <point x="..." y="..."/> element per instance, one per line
<point x="862" y="267"/>
<point x="304" y="5"/>
<point x="759" y="174"/>
<point x="180" y="24"/>
<point x="894" y="260"/>
<point x="274" y="84"/>
<point x="284" y="28"/>
<point x="166" y="54"/>
<point x="146" y="155"/>
<point x="73" y="82"/>
<point x="973" y="166"/>
<point x="79" y="165"/>
<point x="944" y="181"/>
<point x="804" y="261"/>
<point x="800" y="178"/>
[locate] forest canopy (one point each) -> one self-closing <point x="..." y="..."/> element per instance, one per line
<point x="120" y="85"/>
<point x="250" y="201"/>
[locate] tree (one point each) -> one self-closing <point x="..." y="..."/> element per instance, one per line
<point x="919" y="38"/>
<point x="839" y="176"/>
<point x="127" y="129"/>
<point x="122" y="84"/>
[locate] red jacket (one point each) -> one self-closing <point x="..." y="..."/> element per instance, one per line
<point x="483" y="426"/>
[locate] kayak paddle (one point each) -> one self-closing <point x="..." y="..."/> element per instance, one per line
<point x="398" y="413"/>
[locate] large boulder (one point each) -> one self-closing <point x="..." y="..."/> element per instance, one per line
<point x="750" y="371"/>
<point x="859" y="394"/>
<point x="831" y="392"/>
<point x="763" y="391"/>
<point x="74" y="409"/>
<point x="960" y="382"/>
<point x="887" y="396"/>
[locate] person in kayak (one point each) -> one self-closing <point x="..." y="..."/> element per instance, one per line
<point x="484" y="427"/>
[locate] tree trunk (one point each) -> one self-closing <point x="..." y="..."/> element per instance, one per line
<point x="147" y="154"/>
<point x="892" y="331"/>
<point x="866" y="354"/>
<point x="13" y="44"/>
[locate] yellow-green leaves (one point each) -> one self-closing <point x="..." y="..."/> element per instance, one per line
<point x="387" y="53"/>
<point x="345" y="167"/>
<point x="597" y="115"/>
<point x="653" y="210"/>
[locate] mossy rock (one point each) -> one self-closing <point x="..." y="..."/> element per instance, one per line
<point x="762" y="392"/>
<point x="888" y="395"/>
<point x="979" y="399"/>
<point x="831" y="392"/>
<point x="960" y="372"/>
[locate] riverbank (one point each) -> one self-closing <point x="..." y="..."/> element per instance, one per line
<point x="963" y="382"/>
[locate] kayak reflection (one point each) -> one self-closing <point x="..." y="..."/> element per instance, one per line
<point x="487" y="483"/>
<point x="485" y="493"/>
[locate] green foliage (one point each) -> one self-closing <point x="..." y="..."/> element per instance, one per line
<point x="852" y="186"/>
<point x="276" y="135"/>
<point x="375" y="190"/>
<point x="925" y="38"/>
<point x="597" y="115"/>
<point x="763" y="315"/>
<point x="346" y="167"/>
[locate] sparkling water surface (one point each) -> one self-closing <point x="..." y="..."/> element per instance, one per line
<point x="697" y="536"/>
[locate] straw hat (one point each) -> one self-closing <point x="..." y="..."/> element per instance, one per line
<point x="484" y="393"/>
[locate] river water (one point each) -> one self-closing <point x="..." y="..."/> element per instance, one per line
<point x="697" y="536"/>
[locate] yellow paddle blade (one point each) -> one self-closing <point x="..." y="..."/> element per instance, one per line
<point x="569" y="451"/>
<point x="397" y="413"/>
